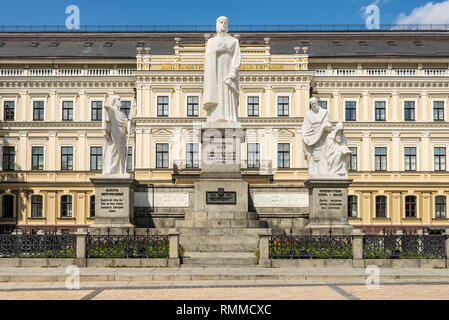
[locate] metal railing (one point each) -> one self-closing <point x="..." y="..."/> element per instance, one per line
<point x="32" y="245"/>
<point x="127" y="246"/>
<point x="405" y="245"/>
<point x="232" y="28"/>
<point x="311" y="247"/>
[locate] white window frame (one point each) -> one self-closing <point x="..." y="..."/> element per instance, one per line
<point x="74" y="107"/>
<point x="410" y="145"/>
<point x="170" y="165"/>
<point x="132" y="159"/>
<point x="444" y="100"/>
<point x="74" y="156"/>
<point x="89" y="146"/>
<point x="373" y="152"/>
<point x="417" y="206"/>
<point x="59" y="216"/>
<point x="43" y="205"/>
<point x="259" y="95"/>
<point x="2" y="109"/>
<point x="289" y="95"/>
<point x="434" y="204"/>
<point x="439" y="145"/>
<point x="328" y="102"/>
<point x="32" y="108"/>
<point x="1" y="155"/>
<point x="403" y="101"/>
<point x="357" y="157"/>
<point x="89" y="101"/>
<point x="162" y="94"/>
<point x="186" y="96"/>
<point x="357" y="111"/>
<point x="358" y="205"/>
<point x="31" y="155"/>
<point x="387" y="211"/>
<point x="386" y="108"/>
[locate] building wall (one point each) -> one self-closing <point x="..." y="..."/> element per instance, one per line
<point x="292" y="78"/>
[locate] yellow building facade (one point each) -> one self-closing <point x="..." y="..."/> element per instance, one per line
<point x="391" y="96"/>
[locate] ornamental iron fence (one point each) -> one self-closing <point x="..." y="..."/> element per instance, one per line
<point x="33" y="245"/>
<point x="127" y="246"/>
<point x="406" y="245"/>
<point x="311" y="247"/>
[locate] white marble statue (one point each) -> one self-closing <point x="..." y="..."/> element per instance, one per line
<point x="221" y="65"/>
<point x="116" y="127"/>
<point x="315" y="128"/>
<point x="326" y="151"/>
<point x="337" y="152"/>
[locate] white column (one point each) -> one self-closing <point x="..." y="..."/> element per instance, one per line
<point x="267" y="112"/>
<point x="366" y="107"/>
<point x="425" y="154"/>
<point x="52" y="152"/>
<point x="80" y="156"/>
<point x="138" y="149"/>
<point x="22" y="153"/>
<point x="395" y="152"/>
<point x="423" y="108"/>
<point x="300" y="160"/>
<point x="82" y="105"/>
<point x="394" y="111"/>
<point x="51" y="112"/>
<point x="365" y="165"/>
<point x="177" y="109"/>
<point x="335" y="113"/>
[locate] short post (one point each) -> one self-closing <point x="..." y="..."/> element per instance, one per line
<point x="357" y="248"/>
<point x="446" y="244"/>
<point x="173" y="251"/>
<point x="264" y="250"/>
<point x="81" y="243"/>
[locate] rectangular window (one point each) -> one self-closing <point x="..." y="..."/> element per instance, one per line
<point x="409" y="110"/>
<point x="9" y="111"/>
<point x="410" y="207"/>
<point x="380" y="110"/>
<point x="67" y="110"/>
<point x="37" y="158"/>
<point x="381" y="207"/>
<point x="126" y="107"/>
<point x="9" y="158"/>
<point x="96" y="158"/>
<point x="162" y="155"/>
<point x="66" y="206"/>
<point x="162" y="106"/>
<point x="283" y="155"/>
<point x="129" y="159"/>
<point x="38" y="110"/>
<point x="440" y="207"/>
<point x="192" y="106"/>
<point x="96" y="111"/>
<point x="92" y="206"/>
<point x="192" y="155"/>
<point x="438" y="110"/>
<point x="410" y="159"/>
<point x="352" y="206"/>
<point x="380" y="159"/>
<point x="253" y="155"/>
<point x="253" y="106"/>
<point x="283" y="103"/>
<point x="350" y="111"/>
<point x="67" y="158"/>
<point x="439" y="155"/>
<point x="37" y="204"/>
<point x="7" y="206"/>
<point x="353" y="159"/>
<point x="322" y="104"/>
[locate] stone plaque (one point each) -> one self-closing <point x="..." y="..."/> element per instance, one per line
<point x="112" y="200"/>
<point x="330" y="200"/>
<point x="221" y="197"/>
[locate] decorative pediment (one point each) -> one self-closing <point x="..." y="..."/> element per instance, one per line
<point x="161" y="133"/>
<point x="284" y="133"/>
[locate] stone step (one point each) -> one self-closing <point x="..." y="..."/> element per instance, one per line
<point x="214" y="259"/>
<point x="223" y="215"/>
<point x="219" y="239"/>
<point x="221" y="224"/>
<point x="219" y="247"/>
<point x="224" y="231"/>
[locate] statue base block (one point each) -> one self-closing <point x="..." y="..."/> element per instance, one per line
<point x="114" y="200"/>
<point x="328" y="203"/>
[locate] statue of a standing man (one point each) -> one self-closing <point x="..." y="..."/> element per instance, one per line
<point x="221" y="65"/>
<point x="116" y="128"/>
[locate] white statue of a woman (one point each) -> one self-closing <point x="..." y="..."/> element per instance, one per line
<point x="221" y="65"/>
<point x="337" y="152"/>
<point x="116" y="126"/>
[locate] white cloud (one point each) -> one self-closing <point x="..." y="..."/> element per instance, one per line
<point x="430" y="13"/>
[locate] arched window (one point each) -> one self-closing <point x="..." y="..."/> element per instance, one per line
<point x="381" y="207"/>
<point x="410" y="207"/>
<point x="37" y="204"/>
<point x="352" y="206"/>
<point x="7" y="206"/>
<point x="440" y="207"/>
<point x="66" y="206"/>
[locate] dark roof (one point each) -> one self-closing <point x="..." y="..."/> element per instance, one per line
<point x="321" y="44"/>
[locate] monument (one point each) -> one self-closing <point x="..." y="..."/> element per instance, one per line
<point x="114" y="188"/>
<point x="328" y="158"/>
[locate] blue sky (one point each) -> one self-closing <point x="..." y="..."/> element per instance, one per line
<point x="174" y="12"/>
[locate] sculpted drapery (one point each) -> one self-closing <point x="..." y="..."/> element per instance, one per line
<point x="325" y="149"/>
<point x="115" y="126"/>
<point x="221" y="65"/>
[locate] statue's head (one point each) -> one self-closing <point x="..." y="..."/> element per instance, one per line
<point x="339" y="132"/>
<point x="314" y="104"/>
<point x="222" y="25"/>
<point x="116" y="101"/>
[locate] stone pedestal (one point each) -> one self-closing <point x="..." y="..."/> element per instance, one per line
<point x="114" y="201"/>
<point x="328" y="206"/>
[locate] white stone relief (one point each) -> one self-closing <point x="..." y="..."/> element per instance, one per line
<point x="161" y="199"/>
<point x="281" y="199"/>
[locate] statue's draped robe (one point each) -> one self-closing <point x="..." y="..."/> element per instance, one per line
<point x="337" y="155"/>
<point x="222" y="57"/>
<point x="115" y="124"/>
<point x="313" y="134"/>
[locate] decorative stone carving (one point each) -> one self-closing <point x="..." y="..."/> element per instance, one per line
<point x="221" y="65"/>
<point x="281" y="199"/>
